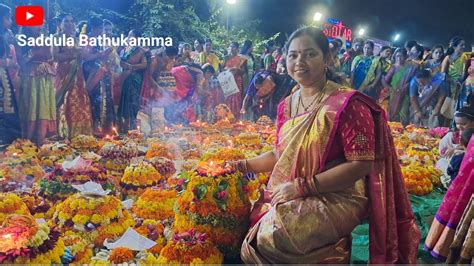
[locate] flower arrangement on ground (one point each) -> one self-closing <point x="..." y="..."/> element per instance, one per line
<point x="138" y="177"/>
<point x="156" y="204"/>
<point x="190" y="247"/>
<point x="24" y="241"/>
<point x="215" y="202"/>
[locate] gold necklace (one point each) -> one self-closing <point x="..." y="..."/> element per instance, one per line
<point x="315" y="102"/>
<point x="319" y="100"/>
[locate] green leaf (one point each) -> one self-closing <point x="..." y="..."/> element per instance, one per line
<point x="200" y="191"/>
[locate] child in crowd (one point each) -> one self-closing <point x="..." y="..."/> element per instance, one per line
<point x="455" y="163"/>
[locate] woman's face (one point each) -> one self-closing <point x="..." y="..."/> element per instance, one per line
<point x="7" y="21"/>
<point x="208" y="47"/>
<point x="197" y="46"/>
<point x="108" y="30"/>
<point x="414" y="52"/>
<point x="67" y="25"/>
<point x="221" y="112"/>
<point x="186" y="50"/>
<point x="305" y="61"/>
<point x="437" y="54"/>
<point x="460" y="47"/>
<point x="386" y="53"/>
<point x="399" y="58"/>
<point x="463" y="123"/>
<point x="233" y="49"/>
<point x="368" y="50"/>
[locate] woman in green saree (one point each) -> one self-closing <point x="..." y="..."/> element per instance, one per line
<point x="396" y="84"/>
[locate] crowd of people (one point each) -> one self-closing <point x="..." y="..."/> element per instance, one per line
<point x="67" y="91"/>
<point x="333" y="152"/>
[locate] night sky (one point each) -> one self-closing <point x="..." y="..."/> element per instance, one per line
<point x="427" y="21"/>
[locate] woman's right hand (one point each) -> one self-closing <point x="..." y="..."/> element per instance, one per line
<point x="285" y="192"/>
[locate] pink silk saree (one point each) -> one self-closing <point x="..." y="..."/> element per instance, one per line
<point x="317" y="229"/>
<point x="443" y="228"/>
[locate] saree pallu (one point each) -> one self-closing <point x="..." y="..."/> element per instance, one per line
<point x="38" y="103"/>
<point x="99" y="88"/>
<point x="234" y="101"/>
<point x="317" y="229"/>
<point x="443" y="228"/>
<point x="462" y="249"/>
<point x="399" y="100"/>
<point x="9" y="119"/>
<point x="72" y="101"/>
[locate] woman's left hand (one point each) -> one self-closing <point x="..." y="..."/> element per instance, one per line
<point x="285" y="192"/>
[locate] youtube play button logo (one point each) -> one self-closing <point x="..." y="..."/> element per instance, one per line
<point x="29" y="15"/>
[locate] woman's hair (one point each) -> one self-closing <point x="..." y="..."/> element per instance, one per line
<point x="107" y="22"/>
<point x="199" y="40"/>
<point x="403" y="51"/>
<point x="465" y="112"/>
<point x="137" y="32"/>
<point x="370" y="43"/>
<point x="455" y="41"/>
<point x="185" y="44"/>
<point x="94" y="22"/>
<point x="321" y="41"/>
<point x="385" y="47"/>
<point x="420" y="50"/>
<point x="171" y="51"/>
<point x="208" y="40"/>
<point x="466" y="136"/>
<point x="359" y="40"/>
<point x="208" y="68"/>
<point x="438" y="46"/>
<point x="4" y="11"/>
<point x="235" y="44"/>
<point x="246" y="47"/>
<point x="422" y="74"/>
<point x="409" y="44"/>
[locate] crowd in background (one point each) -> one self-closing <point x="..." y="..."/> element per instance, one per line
<point x="67" y="91"/>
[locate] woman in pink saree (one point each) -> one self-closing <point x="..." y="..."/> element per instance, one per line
<point x="333" y="164"/>
<point x="443" y="229"/>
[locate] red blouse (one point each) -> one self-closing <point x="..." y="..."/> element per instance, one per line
<point x="355" y="133"/>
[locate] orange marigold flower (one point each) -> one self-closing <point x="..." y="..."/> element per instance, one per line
<point x="121" y="255"/>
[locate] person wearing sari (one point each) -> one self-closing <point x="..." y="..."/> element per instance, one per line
<point x="395" y="93"/>
<point x="449" y="144"/>
<point x="238" y="66"/>
<point x="366" y="71"/>
<point x="158" y="82"/>
<point x="189" y="81"/>
<point x="98" y="83"/>
<point x="198" y="49"/>
<point x="434" y="63"/>
<point x="37" y="94"/>
<point x="14" y="69"/>
<point x="72" y="99"/>
<point x="112" y="65"/>
<point x="259" y="95"/>
<point x="246" y="52"/>
<point x="134" y="63"/>
<point x="427" y="94"/>
<point x="212" y="92"/>
<point x="184" y="55"/>
<point x="9" y="119"/>
<point x="449" y="215"/>
<point x="207" y="56"/>
<point x="454" y="66"/>
<point x="333" y="153"/>
<point x="348" y="56"/>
